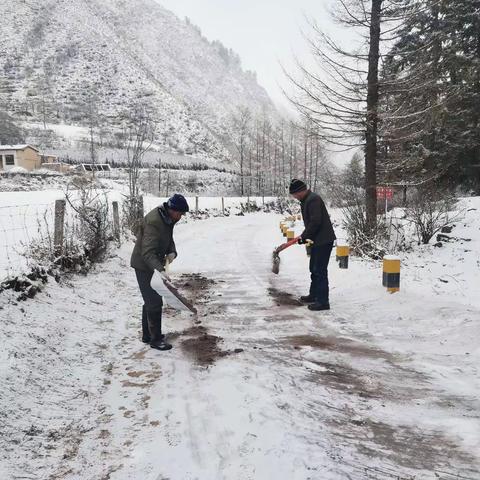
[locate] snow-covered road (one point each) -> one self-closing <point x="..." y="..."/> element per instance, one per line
<point x="257" y="387"/>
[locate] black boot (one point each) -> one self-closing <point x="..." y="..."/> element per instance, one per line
<point x="145" y="331"/>
<point x="316" y="307"/>
<point x="157" y="340"/>
<point x="307" y="299"/>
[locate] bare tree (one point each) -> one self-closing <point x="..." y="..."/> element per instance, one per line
<point x="241" y="135"/>
<point x="341" y="96"/>
<point x="138" y="136"/>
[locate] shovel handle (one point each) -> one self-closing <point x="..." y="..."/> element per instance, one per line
<point x="291" y="242"/>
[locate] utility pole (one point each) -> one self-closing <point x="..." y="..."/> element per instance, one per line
<point x="159" y="175"/>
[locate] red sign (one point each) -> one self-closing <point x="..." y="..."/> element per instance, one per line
<point x="384" y="192"/>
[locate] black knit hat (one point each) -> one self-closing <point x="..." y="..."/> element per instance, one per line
<point x="178" y="203"/>
<point x="297" y="186"/>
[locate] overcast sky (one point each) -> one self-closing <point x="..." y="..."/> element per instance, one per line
<point x="264" y="33"/>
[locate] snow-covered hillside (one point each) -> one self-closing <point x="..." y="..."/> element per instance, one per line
<point x="61" y="57"/>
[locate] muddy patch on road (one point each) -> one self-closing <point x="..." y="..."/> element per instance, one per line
<point x="345" y="379"/>
<point x="340" y="345"/>
<point x="196" y="341"/>
<point x="203" y="348"/>
<point x="407" y="446"/>
<point x="284" y="299"/>
<point x="196" y="286"/>
<point x="193" y="331"/>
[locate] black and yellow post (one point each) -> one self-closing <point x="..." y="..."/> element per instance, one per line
<point x="391" y="273"/>
<point x="343" y="252"/>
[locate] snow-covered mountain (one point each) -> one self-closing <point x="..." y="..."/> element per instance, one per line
<point x="61" y="58"/>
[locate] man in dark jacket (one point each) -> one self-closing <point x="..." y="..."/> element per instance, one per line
<point x="153" y="248"/>
<point x="318" y="228"/>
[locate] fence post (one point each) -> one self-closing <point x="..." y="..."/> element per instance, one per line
<point x="196" y="204"/>
<point x="116" y="222"/>
<point x="223" y="206"/>
<point x="59" y="226"/>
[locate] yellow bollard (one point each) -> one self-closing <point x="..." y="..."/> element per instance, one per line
<point x="343" y="252"/>
<point x="391" y="273"/>
<point x="290" y="234"/>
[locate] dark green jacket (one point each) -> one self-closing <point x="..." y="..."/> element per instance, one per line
<point x="154" y="241"/>
<point x="318" y="226"/>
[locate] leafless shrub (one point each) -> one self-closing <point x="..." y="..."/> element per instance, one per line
<point x="138" y="136"/>
<point x="42" y="252"/>
<point x="132" y="214"/>
<point x="429" y="209"/>
<point x="362" y="240"/>
<point x="94" y="227"/>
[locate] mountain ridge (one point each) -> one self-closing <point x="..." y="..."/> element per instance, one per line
<point x="56" y="54"/>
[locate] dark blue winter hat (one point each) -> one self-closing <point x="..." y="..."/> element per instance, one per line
<point x="178" y="203"/>
<point x="297" y="186"/>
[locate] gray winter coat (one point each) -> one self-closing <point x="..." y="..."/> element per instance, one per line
<point x="318" y="226"/>
<point x="154" y="241"/>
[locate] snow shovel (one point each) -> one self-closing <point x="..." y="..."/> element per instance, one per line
<point x="164" y="287"/>
<point x="276" y="256"/>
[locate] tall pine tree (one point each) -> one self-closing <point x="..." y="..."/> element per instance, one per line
<point x="430" y="106"/>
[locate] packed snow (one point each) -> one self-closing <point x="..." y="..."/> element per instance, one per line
<point x="383" y="386"/>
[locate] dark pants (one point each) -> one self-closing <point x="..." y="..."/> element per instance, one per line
<point x="153" y="302"/>
<point x="319" y="259"/>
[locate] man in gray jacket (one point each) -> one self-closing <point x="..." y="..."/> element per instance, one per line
<point x="318" y="228"/>
<point x="154" y="246"/>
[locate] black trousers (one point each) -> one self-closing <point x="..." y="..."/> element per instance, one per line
<point x="153" y="302"/>
<point x="319" y="259"/>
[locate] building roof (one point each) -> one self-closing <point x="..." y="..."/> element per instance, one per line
<point x="17" y="147"/>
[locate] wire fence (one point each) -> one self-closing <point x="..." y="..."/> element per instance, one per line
<point x="28" y="229"/>
<point x="20" y="226"/>
<point x="23" y="226"/>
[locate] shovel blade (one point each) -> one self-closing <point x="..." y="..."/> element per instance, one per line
<point x="171" y="295"/>
<point x="275" y="263"/>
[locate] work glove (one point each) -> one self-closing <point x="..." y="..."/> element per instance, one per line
<point x="169" y="258"/>
<point x="305" y="241"/>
